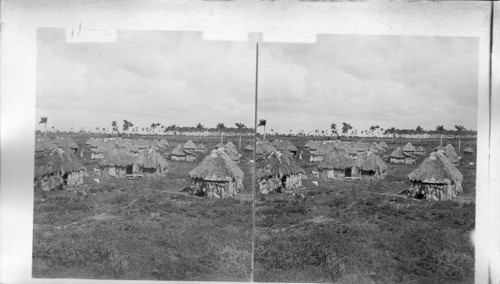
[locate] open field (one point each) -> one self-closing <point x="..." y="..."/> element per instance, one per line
<point x="143" y="229"/>
<point x="365" y="232"/>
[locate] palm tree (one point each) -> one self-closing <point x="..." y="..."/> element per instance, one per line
<point x="221" y="127"/>
<point x="333" y="127"/>
<point x="440" y="129"/>
<point x="114" y="125"/>
<point x="419" y="131"/>
<point x="240" y="127"/>
<point x="263" y="122"/>
<point x="199" y="127"/>
<point x="43" y="120"/>
<point x="460" y="129"/>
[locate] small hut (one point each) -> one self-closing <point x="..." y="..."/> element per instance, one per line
<point x="420" y="151"/>
<point x="190" y="146"/>
<point x="150" y="164"/>
<point x="66" y="143"/>
<point x="361" y="146"/>
<point x="336" y="164"/>
<point x="383" y="145"/>
<point x="60" y="168"/>
<point x="163" y="143"/>
<point x="278" y="171"/>
<point x="409" y="148"/>
<point x="104" y="147"/>
<point x="264" y="147"/>
<point x="318" y="154"/>
<point x="435" y="179"/>
<point x="398" y="156"/>
<point x="290" y="147"/>
<point x="451" y="154"/>
<point x="468" y="150"/>
<point x="43" y="148"/>
<point x="231" y="151"/>
<point x="181" y="154"/>
<point x="220" y="145"/>
<point x="142" y="144"/>
<point x="369" y="166"/>
<point x="248" y="148"/>
<point x="217" y="176"/>
<point x="118" y="162"/>
<point x="201" y="148"/>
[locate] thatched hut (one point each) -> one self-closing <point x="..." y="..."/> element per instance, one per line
<point x="44" y="147"/>
<point x="435" y="179"/>
<point x="264" y="147"/>
<point x="383" y="145"/>
<point x="66" y="143"/>
<point x="190" y="146"/>
<point x="290" y="147"/>
<point x="318" y="154"/>
<point x="181" y="154"/>
<point x="278" y="171"/>
<point x="201" y="148"/>
<point x="439" y="148"/>
<point x="336" y="164"/>
<point x="163" y="143"/>
<point x="118" y="162"/>
<point x="361" y="146"/>
<point x="409" y="148"/>
<point x="217" y="176"/>
<point x="308" y="144"/>
<point x="102" y="149"/>
<point x="231" y="151"/>
<point x="398" y="156"/>
<point x="468" y="150"/>
<point x="451" y="154"/>
<point x="314" y="145"/>
<point x="248" y="148"/>
<point x="369" y="166"/>
<point x="142" y="144"/>
<point x="420" y="151"/>
<point x="60" y="168"/>
<point x="220" y="145"/>
<point x="150" y="163"/>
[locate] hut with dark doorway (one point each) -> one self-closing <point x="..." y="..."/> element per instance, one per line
<point x="337" y="164"/>
<point x="399" y="157"/>
<point x="181" y="154"/>
<point x="150" y="163"/>
<point x="278" y="171"/>
<point x="57" y="170"/>
<point x="369" y="166"/>
<point x="435" y="179"/>
<point x="290" y="147"/>
<point x="117" y="162"/>
<point x="216" y="176"/>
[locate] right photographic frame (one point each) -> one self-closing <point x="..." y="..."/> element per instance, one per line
<point x="368" y="158"/>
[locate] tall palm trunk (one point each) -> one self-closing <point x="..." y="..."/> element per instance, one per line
<point x="45" y="132"/>
<point x="264" y="132"/>
<point x="240" y="140"/>
<point x="221" y="134"/>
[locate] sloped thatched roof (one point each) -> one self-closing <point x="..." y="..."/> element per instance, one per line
<point x="367" y="161"/>
<point x="398" y="154"/>
<point x="421" y="149"/>
<point x="189" y="145"/>
<point x="338" y="159"/>
<point x="65" y="142"/>
<point x="117" y="157"/>
<point x="96" y="142"/>
<point x="163" y="143"/>
<point x="309" y="143"/>
<point x="105" y="146"/>
<point x="440" y="147"/>
<point x="264" y="147"/>
<point x="348" y="148"/>
<point x="383" y="145"/>
<point x="230" y="144"/>
<point x="216" y="167"/>
<point x="315" y="145"/>
<point x="142" y="143"/>
<point x="231" y="151"/>
<point x="220" y="145"/>
<point x="59" y="161"/>
<point x="180" y="151"/>
<point x="278" y="164"/>
<point x="323" y="149"/>
<point x="201" y="146"/>
<point x="409" y="148"/>
<point x="248" y="147"/>
<point x="361" y="146"/>
<point x="150" y="159"/>
<point x="279" y="145"/>
<point x="44" y="146"/>
<point x="451" y="154"/>
<point x="290" y="146"/>
<point x="436" y="169"/>
<point x="468" y="149"/>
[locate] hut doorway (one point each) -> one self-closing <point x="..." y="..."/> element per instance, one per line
<point x="129" y="170"/>
<point x="348" y="173"/>
<point x="65" y="178"/>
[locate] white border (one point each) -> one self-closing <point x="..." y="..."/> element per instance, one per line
<point x="279" y="20"/>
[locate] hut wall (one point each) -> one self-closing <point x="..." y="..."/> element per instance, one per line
<point x="434" y="192"/>
<point x="49" y="183"/>
<point x="75" y="179"/>
<point x="97" y="156"/>
<point x="214" y="189"/>
<point x="178" y="158"/>
<point x="397" y="160"/>
<point x="293" y="181"/>
<point x="314" y="158"/>
<point x="410" y="160"/>
<point x="190" y="158"/>
<point x="113" y="171"/>
<point x="332" y="174"/>
<point x="152" y="172"/>
<point x="269" y="185"/>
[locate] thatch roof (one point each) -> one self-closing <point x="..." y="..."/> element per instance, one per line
<point x="421" y="149"/>
<point x="117" y="157"/>
<point x="44" y="146"/>
<point x="361" y="146"/>
<point x="201" y="146"/>
<point x="220" y="145"/>
<point x="468" y="149"/>
<point x="180" y="151"/>
<point x="348" y="148"/>
<point x="436" y="169"/>
<point x="315" y="145"/>
<point x="290" y="146"/>
<point x="309" y="143"/>
<point x="150" y="159"/>
<point x="59" y="161"/>
<point x="189" y="145"/>
<point x="440" y="147"/>
<point x="451" y="154"/>
<point x="279" y="145"/>
<point x="163" y="143"/>
<point x="248" y="147"/>
<point x="338" y="159"/>
<point x="142" y="143"/>
<point x="231" y="151"/>
<point x="323" y="149"/>
<point x="278" y="164"/>
<point x="264" y="147"/>
<point x="409" y="148"/>
<point x="230" y="144"/>
<point x="367" y="161"/>
<point x="65" y="142"/>
<point x="105" y="146"/>
<point x="383" y="145"/>
<point x="96" y="142"/>
<point x="216" y="167"/>
<point x="398" y="154"/>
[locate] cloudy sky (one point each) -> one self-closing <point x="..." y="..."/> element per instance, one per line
<point x="180" y="78"/>
<point x="398" y="81"/>
<point x="145" y="77"/>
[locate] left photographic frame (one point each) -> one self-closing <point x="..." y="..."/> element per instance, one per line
<point x="142" y="169"/>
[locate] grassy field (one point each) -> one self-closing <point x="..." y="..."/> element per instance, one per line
<point x="365" y="232"/>
<point x="144" y="229"/>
